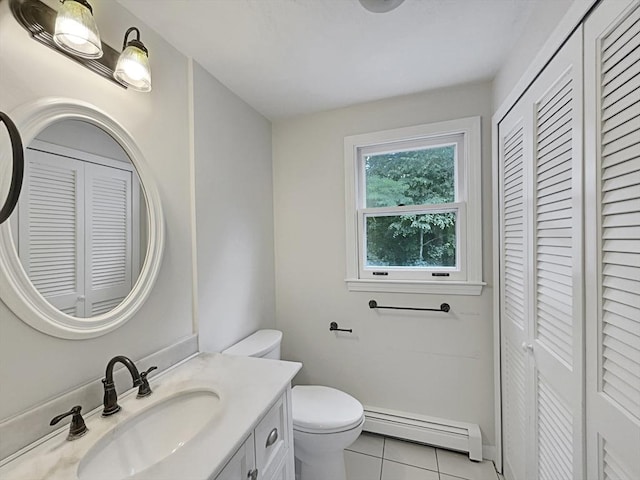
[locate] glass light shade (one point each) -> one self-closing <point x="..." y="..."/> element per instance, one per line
<point x="380" y="6"/>
<point x="76" y="31"/>
<point x="133" y="69"/>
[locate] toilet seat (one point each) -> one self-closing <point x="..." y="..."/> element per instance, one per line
<point x="322" y="410"/>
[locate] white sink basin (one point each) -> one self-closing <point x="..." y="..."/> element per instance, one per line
<point x="150" y="436"/>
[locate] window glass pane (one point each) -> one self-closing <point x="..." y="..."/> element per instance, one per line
<point x="416" y="177"/>
<point x="411" y="240"/>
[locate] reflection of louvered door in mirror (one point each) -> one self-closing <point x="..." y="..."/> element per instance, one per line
<point x="541" y="271"/>
<point x="109" y="242"/>
<point x="612" y="164"/>
<point x="79" y="230"/>
<point x="51" y="228"/>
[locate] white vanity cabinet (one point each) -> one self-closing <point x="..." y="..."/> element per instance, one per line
<point x="245" y="432"/>
<point x="267" y="454"/>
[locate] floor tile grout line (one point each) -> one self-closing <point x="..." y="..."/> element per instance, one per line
<point x="410" y="465"/>
<point x="455" y="476"/>
<point x="384" y="443"/>
<point x="360" y="453"/>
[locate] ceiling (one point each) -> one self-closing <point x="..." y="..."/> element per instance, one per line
<point x="292" y="57"/>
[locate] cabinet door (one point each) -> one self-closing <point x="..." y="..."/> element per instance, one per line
<point x="612" y="156"/>
<point x="241" y="464"/>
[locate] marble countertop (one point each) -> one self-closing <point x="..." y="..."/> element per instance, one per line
<point x="247" y="387"/>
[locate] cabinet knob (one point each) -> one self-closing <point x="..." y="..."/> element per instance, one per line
<point x="253" y="474"/>
<point x="527" y="347"/>
<point x="272" y="437"/>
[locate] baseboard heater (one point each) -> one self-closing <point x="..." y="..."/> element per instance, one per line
<point x="449" y="434"/>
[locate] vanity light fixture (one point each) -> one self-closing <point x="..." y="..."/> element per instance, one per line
<point x="76" y="30"/>
<point x="72" y="31"/>
<point x="133" y="68"/>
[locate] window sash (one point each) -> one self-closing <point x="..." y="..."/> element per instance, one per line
<point x="456" y="273"/>
<point x="425" y="143"/>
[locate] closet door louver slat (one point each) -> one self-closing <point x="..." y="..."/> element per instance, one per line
<point x="515" y="424"/>
<point x="555" y="452"/>
<point x="549" y="274"/>
<point x="613" y="469"/>
<point x="620" y="218"/>
<point x="513" y="236"/>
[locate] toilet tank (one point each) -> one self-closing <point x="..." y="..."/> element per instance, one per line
<point x="263" y="343"/>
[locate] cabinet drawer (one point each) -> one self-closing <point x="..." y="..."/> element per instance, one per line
<point x="271" y="438"/>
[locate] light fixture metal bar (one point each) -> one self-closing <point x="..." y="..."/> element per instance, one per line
<point x="39" y="20"/>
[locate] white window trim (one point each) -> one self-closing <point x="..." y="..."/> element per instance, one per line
<point x="469" y="196"/>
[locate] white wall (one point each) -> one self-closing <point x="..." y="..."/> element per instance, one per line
<point x="234" y="215"/>
<point x="429" y="363"/>
<point x="543" y="19"/>
<point x="33" y="366"/>
<point x="85" y="137"/>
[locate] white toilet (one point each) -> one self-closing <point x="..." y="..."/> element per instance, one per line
<point x="325" y="420"/>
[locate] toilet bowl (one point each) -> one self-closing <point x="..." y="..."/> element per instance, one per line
<point x="325" y="420"/>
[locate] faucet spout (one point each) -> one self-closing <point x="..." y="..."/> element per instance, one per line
<point x="110" y="396"/>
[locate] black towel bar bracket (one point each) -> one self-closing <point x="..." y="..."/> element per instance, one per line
<point x="444" y="307"/>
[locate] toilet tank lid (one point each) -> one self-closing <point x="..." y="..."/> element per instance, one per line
<point x="256" y="344"/>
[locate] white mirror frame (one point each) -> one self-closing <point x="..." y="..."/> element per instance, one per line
<point x="16" y="289"/>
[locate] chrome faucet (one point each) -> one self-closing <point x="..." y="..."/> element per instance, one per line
<point x="110" y="396"/>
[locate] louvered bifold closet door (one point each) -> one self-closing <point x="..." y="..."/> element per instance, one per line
<point x="109" y="237"/>
<point x="513" y="299"/>
<point x="612" y="119"/>
<point x="557" y="268"/>
<point x="51" y="226"/>
<point x="541" y="275"/>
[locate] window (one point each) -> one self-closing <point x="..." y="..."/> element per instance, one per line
<point x="414" y="209"/>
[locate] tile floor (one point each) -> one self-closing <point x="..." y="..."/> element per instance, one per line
<point x="374" y="457"/>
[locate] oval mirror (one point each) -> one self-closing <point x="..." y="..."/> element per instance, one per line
<point x="82" y="250"/>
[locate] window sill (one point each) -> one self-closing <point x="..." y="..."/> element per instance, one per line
<point x="406" y="286"/>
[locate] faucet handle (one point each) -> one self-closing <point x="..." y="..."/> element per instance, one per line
<point x="145" y="390"/>
<point x="77" y="427"/>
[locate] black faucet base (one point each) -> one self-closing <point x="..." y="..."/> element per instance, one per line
<point x="111" y="411"/>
